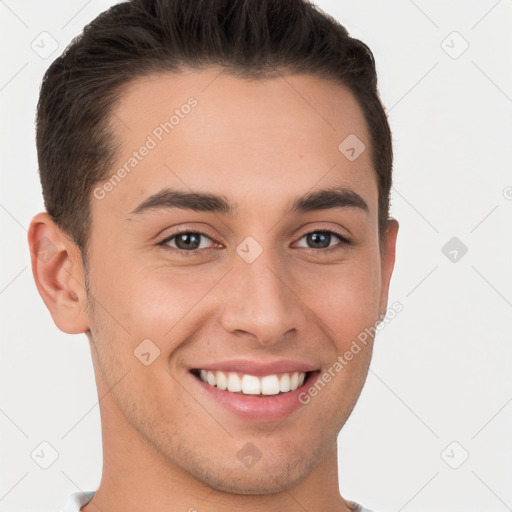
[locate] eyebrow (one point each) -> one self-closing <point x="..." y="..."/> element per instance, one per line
<point x="324" y="199"/>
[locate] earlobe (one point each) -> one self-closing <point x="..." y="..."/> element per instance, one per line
<point x="388" y="262"/>
<point x="58" y="273"/>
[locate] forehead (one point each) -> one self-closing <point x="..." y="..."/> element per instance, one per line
<point x="208" y="130"/>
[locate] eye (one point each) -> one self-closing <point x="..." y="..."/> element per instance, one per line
<point x="190" y="243"/>
<point x="186" y="241"/>
<point x="320" y="240"/>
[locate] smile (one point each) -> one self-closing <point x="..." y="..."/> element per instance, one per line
<point x="247" y="384"/>
<point x="262" y="391"/>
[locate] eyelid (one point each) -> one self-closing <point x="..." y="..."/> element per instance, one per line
<point x="342" y="232"/>
<point x="178" y="232"/>
<point x="345" y="240"/>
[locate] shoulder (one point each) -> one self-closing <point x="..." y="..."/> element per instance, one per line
<point x="77" y="500"/>
<point x="357" y="507"/>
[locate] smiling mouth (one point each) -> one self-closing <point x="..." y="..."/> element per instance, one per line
<point x="246" y="384"/>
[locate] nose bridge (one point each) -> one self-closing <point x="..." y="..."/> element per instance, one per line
<point x="259" y="300"/>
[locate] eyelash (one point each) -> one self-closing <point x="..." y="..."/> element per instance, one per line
<point x="344" y="241"/>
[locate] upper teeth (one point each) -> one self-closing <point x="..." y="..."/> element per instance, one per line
<point x="252" y="385"/>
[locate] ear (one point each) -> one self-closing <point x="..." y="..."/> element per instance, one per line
<point x="59" y="274"/>
<point x="387" y="262"/>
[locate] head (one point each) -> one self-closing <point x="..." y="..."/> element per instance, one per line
<point x="254" y="129"/>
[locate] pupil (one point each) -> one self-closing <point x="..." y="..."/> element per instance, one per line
<point x="186" y="238"/>
<point x="323" y="238"/>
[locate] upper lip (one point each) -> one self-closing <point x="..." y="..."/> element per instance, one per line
<point x="257" y="368"/>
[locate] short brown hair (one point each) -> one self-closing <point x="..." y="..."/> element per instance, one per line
<point x="249" y="38"/>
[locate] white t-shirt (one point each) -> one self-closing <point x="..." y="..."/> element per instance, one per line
<point x="79" y="499"/>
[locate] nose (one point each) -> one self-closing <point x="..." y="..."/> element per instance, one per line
<point x="259" y="300"/>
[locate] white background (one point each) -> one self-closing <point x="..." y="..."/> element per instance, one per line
<point x="441" y="368"/>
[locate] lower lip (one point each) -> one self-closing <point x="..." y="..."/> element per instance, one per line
<point x="258" y="407"/>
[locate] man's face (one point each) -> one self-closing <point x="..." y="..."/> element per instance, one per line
<point x="266" y="292"/>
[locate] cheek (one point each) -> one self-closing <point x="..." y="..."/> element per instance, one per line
<point x="161" y="299"/>
<point x="144" y="299"/>
<point x="154" y="301"/>
<point x="345" y="297"/>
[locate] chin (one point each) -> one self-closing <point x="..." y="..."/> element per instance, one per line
<point x="270" y="474"/>
<point x="253" y="481"/>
